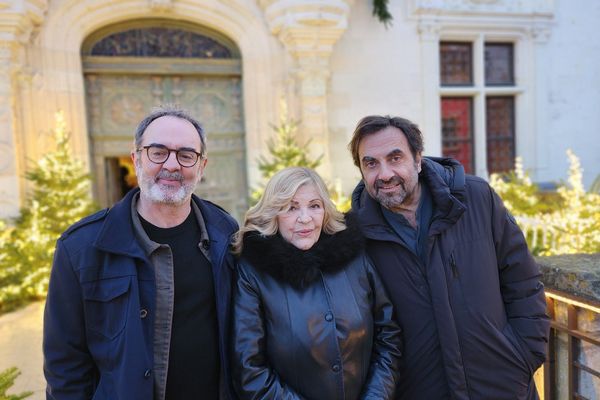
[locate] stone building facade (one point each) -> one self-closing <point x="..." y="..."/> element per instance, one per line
<point x="487" y="80"/>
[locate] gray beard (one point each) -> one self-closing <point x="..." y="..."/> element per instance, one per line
<point x="162" y="194"/>
<point x="391" y="202"/>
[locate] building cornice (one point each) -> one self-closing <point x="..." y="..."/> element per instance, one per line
<point x="498" y="8"/>
<point x="19" y="18"/>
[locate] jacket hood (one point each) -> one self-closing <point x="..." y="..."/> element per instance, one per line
<point x="285" y="262"/>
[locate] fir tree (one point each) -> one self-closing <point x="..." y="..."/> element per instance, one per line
<point x="7" y="379"/>
<point x="60" y="197"/>
<point x="284" y="151"/>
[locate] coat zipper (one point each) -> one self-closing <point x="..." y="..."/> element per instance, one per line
<point x="453" y="266"/>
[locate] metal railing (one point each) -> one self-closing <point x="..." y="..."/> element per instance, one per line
<point x="572" y="369"/>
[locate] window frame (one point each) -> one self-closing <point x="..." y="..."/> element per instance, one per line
<point x="479" y="91"/>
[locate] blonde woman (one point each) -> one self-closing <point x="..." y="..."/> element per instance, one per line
<point x="311" y="318"/>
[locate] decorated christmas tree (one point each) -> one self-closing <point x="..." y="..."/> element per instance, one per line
<point x="564" y="222"/>
<point x="60" y="196"/>
<point x="578" y="222"/>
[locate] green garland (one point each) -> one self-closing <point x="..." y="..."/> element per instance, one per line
<point x="381" y="11"/>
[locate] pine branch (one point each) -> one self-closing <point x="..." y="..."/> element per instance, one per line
<point x="381" y="11"/>
<point x="7" y="379"/>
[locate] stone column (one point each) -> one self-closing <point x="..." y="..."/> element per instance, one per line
<point x="18" y="18"/>
<point x="9" y="180"/>
<point x="309" y="29"/>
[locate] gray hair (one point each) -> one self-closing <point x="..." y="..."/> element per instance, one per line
<point x="169" y="111"/>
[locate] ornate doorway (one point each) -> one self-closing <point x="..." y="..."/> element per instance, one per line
<point x="130" y="69"/>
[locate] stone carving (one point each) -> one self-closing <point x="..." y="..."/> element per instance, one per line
<point x="308" y="31"/>
<point x="21" y="18"/>
<point x="125" y="108"/>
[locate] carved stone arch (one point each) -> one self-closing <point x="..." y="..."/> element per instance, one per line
<point x="129" y="68"/>
<point x="182" y="30"/>
<point x="57" y="57"/>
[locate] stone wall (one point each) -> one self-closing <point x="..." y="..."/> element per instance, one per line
<point x="577" y="279"/>
<point x="577" y="274"/>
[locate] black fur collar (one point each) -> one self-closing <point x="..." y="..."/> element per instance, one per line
<point x="286" y="263"/>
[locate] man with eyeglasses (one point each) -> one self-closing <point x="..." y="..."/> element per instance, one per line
<point x="138" y="299"/>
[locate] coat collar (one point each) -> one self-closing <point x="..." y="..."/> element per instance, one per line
<point x="285" y="262"/>
<point x="117" y="233"/>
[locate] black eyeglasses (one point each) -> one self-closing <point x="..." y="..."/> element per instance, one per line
<point x="159" y="154"/>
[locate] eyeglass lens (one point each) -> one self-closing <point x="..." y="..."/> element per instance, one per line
<point x="160" y="154"/>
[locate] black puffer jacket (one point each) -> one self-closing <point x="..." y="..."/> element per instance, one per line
<point x="473" y="318"/>
<point x="312" y="324"/>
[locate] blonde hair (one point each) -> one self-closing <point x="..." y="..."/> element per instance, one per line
<point x="278" y="194"/>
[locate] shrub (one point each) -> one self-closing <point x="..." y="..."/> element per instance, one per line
<point x="565" y="222"/>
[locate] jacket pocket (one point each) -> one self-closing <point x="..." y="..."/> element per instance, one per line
<point x="512" y="339"/>
<point x="106" y="305"/>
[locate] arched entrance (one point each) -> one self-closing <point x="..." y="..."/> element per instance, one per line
<point x="130" y="68"/>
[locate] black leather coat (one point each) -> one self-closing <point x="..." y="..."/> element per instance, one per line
<point x="312" y="324"/>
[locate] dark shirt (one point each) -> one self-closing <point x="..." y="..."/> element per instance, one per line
<point x="423" y="346"/>
<point x="193" y="371"/>
<point x="414" y="239"/>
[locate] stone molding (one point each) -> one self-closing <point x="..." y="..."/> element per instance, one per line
<point x="308" y="29"/>
<point x="18" y="19"/>
<point x="491" y="7"/>
<point x="532" y="17"/>
<point x="160" y="5"/>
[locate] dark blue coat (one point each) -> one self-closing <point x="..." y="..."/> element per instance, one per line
<point x="473" y="318"/>
<point x="97" y="340"/>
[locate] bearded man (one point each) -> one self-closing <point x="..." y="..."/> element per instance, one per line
<point x="456" y="266"/>
<point x="139" y="294"/>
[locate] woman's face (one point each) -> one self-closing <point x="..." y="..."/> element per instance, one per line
<point x="300" y="224"/>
